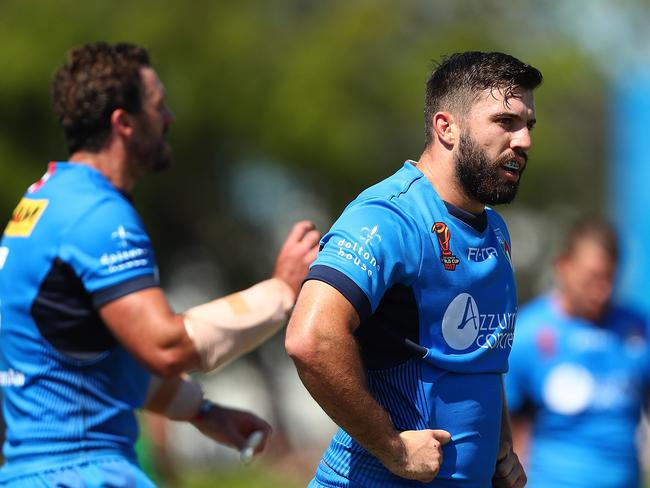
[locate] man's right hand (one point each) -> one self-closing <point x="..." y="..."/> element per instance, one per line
<point x="421" y="454"/>
<point x="297" y="253"/>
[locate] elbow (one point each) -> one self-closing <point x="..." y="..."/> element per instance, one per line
<point x="167" y="363"/>
<point x="300" y="347"/>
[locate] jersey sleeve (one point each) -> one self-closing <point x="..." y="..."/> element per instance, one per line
<point x="370" y="248"/>
<point x="110" y="252"/>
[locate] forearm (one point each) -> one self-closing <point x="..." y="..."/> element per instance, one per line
<point x="505" y="436"/>
<point x="226" y="328"/>
<point x="331" y="369"/>
<point x="177" y="398"/>
<point x="508" y="472"/>
<point x="320" y="340"/>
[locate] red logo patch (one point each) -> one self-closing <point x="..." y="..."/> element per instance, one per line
<point x="447" y="257"/>
<point x="546" y="342"/>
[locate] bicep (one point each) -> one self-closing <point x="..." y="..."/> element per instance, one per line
<point x="322" y="317"/>
<point x="144" y="323"/>
<point x="136" y="314"/>
<point x="319" y="300"/>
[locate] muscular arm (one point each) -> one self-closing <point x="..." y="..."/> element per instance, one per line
<point x="320" y="341"/>
<point x="509" y="472"/>
<point x="148" y="328"/>
<point x="521" y="428"/>
<point x="211" y="334"/>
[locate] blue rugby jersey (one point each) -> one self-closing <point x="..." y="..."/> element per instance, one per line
<point x="585" y="385"/>
<point x="436" y="296"/>
<point x="73" y="244"/>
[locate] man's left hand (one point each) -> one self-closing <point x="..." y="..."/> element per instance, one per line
<point x="509" y="472"/>
<point x="232" y="427"/>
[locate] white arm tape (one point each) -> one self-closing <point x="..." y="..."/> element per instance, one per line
<point x="228" y="327"/>
<point x="176" y="398"/>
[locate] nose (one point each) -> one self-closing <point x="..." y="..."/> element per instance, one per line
<point x="601" y="290"/>
<point x="168" y="116"/>
<point x="521" y="140"/>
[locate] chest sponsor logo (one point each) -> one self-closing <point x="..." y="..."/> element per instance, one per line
<point x="4" y="252"/>
<point x="464" y="326"/>
<point x="447" y="257"/>
<point x="480" y="254"/>
<point x="25" y="217"/>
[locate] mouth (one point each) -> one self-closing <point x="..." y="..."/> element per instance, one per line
<point x="511" y="165"/>
<point x="512" y="168"/>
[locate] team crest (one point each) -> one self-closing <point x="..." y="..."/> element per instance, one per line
<point x="504" y="244"/>
<point x="447" y="257"/>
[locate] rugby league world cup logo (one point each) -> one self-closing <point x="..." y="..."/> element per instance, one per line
<point x="447" y="257"/>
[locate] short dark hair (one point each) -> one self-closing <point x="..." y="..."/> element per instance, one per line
<point x="97" y="79"/>
<point x="459" y="78"/>
<point x="593" y="229"/>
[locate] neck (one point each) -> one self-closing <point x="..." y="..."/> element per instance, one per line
<point x="439" y="170"/>
<point x="110" y="164"/>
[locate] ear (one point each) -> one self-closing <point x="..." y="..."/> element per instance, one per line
<point x="122" y="122"/>
<point x="445" y="128"/>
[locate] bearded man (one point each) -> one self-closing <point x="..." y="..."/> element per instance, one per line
<point x="87" y="333"/>
<point x="403" y="329"/>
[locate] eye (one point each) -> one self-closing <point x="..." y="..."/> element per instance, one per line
<point x="504" y="122"/>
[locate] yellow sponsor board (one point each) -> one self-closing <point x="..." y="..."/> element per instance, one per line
<point x="24" y="217"/>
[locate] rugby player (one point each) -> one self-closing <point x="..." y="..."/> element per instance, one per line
<point x="403" y="329"/>
<point x="87" y="334"/>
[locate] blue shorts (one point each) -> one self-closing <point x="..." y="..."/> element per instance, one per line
<point x="107" y="472"/>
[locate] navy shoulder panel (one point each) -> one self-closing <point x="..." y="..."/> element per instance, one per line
<point x="65" y="315"/>
<point x="391" y="335"/>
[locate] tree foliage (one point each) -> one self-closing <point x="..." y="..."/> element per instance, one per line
<point x="333" y="91"/>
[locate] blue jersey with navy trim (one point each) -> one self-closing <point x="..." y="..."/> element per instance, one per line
<point x="584" y="385"/>
<point x="73" y="244"/>
<point x="437" y="302"/>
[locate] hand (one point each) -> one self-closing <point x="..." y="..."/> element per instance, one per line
<point x="296" y="254"/>
<point x="509" y="472"/>
<point x="421" y="455"/>
<point x="232" y="427"/>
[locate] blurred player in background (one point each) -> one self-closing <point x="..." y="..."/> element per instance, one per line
<point x="579" y="374"/>
<point x="403" y="330"/>
<point x="87" y="334"/>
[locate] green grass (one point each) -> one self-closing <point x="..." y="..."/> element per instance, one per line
<point x="249" y="478"/>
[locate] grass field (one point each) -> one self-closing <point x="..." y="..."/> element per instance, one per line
<point x="254" y="478"/>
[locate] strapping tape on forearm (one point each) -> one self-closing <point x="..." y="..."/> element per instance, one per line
<point x="176" y="398"/>
<point x="226" y="328"/>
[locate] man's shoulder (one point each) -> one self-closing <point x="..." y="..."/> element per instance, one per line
<point x="395" y="187"/>
<point x="76" y="189"/>
<point x="534" y="315"/>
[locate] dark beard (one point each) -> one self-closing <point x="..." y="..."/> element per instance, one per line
<point x="162" y="158"/>
<point x="479" y="177"/>
<point x="151" y="156"/>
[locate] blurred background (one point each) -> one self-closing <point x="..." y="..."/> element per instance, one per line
<point x="287" y="109"/>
